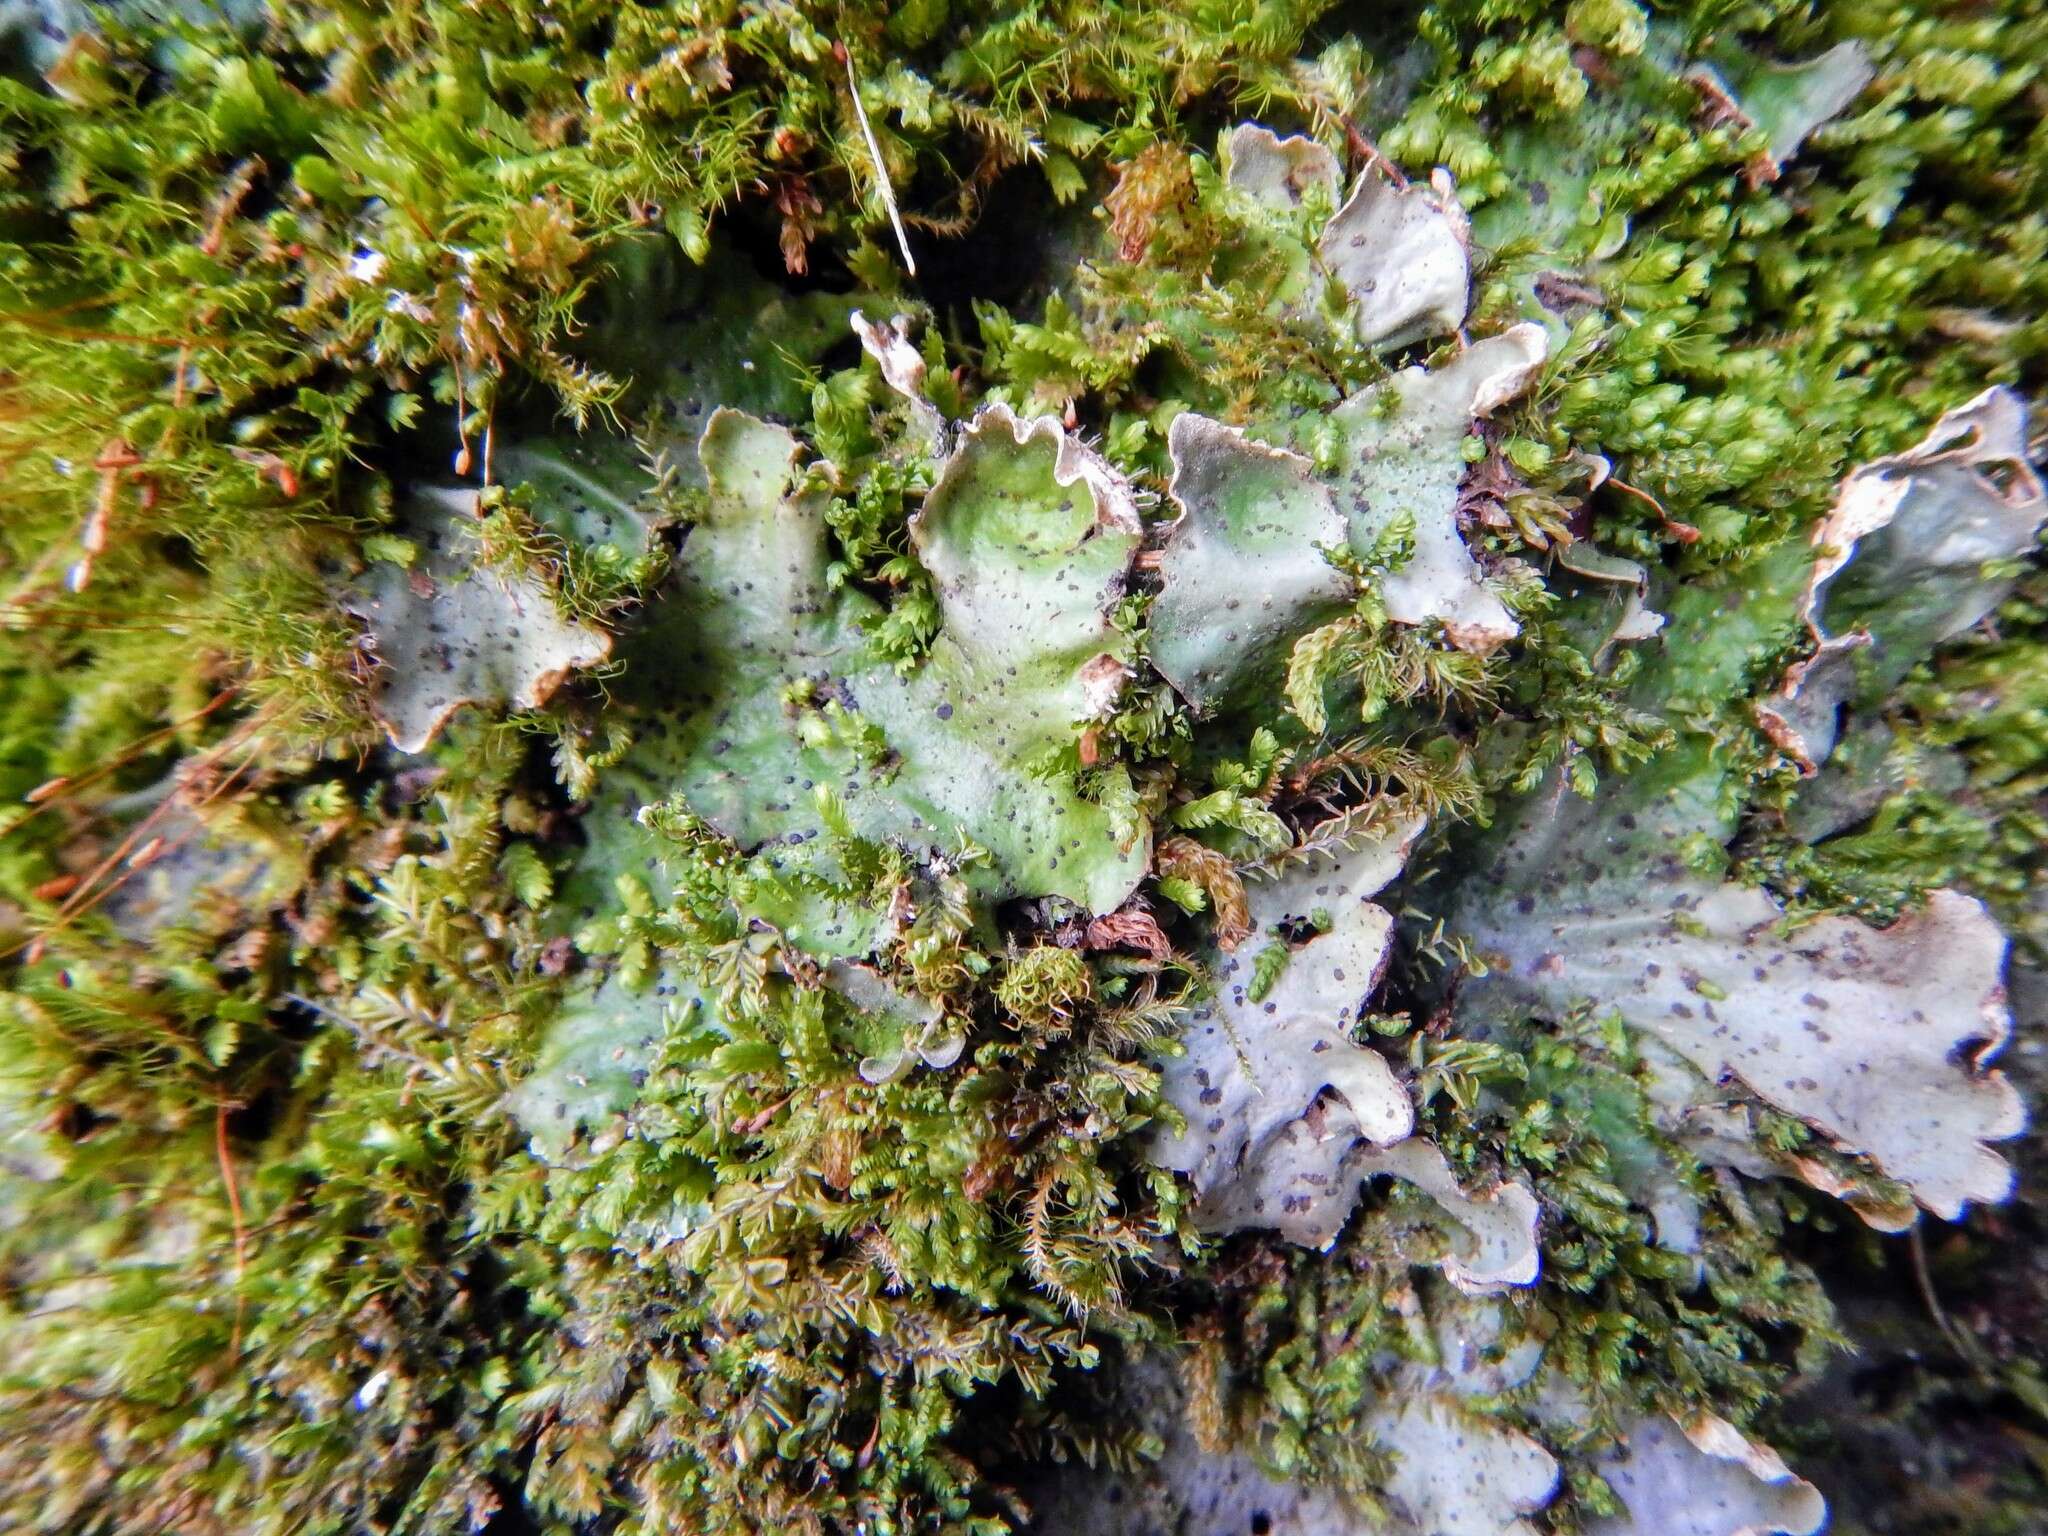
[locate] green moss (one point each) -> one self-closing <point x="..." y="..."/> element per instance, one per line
<point x="578" y="1124"/>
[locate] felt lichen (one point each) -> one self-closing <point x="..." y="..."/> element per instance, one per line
<point x="1706" y="1479"/>
<point x="968" y="768"/>
<point x="444" y="633"/>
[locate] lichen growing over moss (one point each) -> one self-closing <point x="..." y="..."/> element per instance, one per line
<point x="974" y="767"/>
